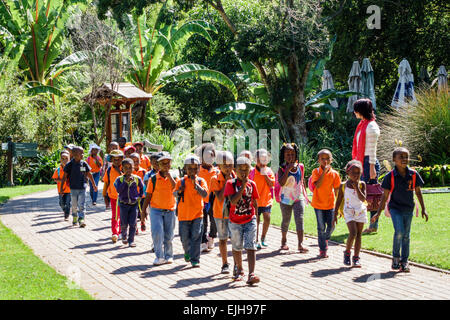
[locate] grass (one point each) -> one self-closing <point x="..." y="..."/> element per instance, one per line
<point x="23" y="276"/>
<point x="11" y="192"/>
<point x="429" y="240"/>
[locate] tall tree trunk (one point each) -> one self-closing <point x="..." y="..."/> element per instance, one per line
<point x="297" y="81"/>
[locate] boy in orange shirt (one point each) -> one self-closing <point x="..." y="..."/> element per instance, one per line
<point x="326" y="183"/>
<point x="264" y="179"/>
<point x="110" y="176"/>
<point x="159" y="194"/>
<point x="191" y="191"/>
<point x="96" y="163"/>
<point x="145" y="161"/>
<point x="225" y="161"/>
<point x="64" y="198"/>
<point x="207" y="153"/>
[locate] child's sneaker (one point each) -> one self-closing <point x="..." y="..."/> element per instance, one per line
<point x="225" y="269"/>
<point x="195" y="264"/>
<point x="66" y="216"/>
<point x="263" y="243"/>
<point x="143" y="227"/>
<point x="187" y="257"/>
<point x="395" y="263"/>
<point x="158" y="262"/>
<point x="323" y="254"/>
<point x="132" y="245"/>
<point x="125" y="241"/>
<point x="258" y="246"/>
<point x="347" y="258"/>
<point x="75" y="221"/>
<point x="204" y="247"/>
<point x="252" y="279"/>
<point x="82" y="223"/>
<point x="404" y="267"/>
<point x="210" y="243"/>
<point x="356" y="262"/>
<point x="169" y="261"/>
<point x="114" y="238"/>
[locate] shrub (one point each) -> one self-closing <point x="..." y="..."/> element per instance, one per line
<point x="422" y="128"/>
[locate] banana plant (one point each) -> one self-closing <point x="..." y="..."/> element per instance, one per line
<point x="37" y="30"/>
<point x="153" y="51"/>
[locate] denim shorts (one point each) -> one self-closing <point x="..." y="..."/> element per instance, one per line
<point x="243" y="236"/>
<point x="222" y="228"/>
<point x="264" y="209"/>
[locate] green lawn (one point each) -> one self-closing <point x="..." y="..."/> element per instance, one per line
<point x="429" y="240"/>
<point x="23" y="276"/>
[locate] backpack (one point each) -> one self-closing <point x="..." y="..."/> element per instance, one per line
<point x="277" y="187"/>
<point x="311" y="185"/>
<point x="227" y="202"/>
<point x="386" y="209"/>
<point x="251" y="176"/>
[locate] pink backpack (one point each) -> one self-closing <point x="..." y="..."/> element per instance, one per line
<point x="277" y="187"/>
<point x="311" y="185"/>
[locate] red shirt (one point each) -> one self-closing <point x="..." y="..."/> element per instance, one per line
<point x="244" y="210"/>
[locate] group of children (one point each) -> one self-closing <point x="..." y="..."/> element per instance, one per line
<point x="231" y="197"/>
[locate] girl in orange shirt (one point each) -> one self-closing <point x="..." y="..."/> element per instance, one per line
<point x="96" y="163"/>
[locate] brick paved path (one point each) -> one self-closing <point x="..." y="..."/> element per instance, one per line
<point x="115" y="271"/>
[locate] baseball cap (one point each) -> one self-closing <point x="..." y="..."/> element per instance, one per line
<point x="192" y="159"/>
<point x="164" y="155"/>
<point x="116" y="153"/>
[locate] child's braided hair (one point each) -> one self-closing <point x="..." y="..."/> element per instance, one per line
<point x="288" y="146"/>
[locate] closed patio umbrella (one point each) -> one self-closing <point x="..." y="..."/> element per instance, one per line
<point x="442" y="79"/>
<point x="367" y="80"/>
<point x="405" y="87"/>
<point x="354" y="84"/>
<point x="327" y="83"/>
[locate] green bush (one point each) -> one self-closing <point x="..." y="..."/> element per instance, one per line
<point x="422" y="128"/>
<point x="37" y="170"/>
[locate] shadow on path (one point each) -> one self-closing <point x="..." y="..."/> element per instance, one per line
<point x="329" y="272"/>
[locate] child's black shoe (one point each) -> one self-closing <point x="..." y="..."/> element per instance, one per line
<point x="396" y="263"/>
<point x="347" y="258"/>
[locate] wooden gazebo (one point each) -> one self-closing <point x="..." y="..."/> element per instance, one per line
<point x="122" y="96"/>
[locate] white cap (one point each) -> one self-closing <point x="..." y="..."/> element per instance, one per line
<point x="192" y="159"/>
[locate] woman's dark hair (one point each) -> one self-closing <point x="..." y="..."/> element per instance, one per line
<point x="365" y="108"/>
<point x="288" y="146"/>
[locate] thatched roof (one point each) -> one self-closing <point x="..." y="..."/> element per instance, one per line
<point x="123" y="92"/>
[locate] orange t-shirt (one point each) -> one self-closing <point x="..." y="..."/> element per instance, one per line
<point x="191" y="206"/>
<point x="265" y="196"/>
<point x="162" y="196"/>
<point x="217" y="183"/>
<point x="145" y="162"/>
<point x="112" y="192"/>
<point x="140" y="173"/>
<point x="207" y="175"/>
<point x="324" y="197"/>
<point x="66" y="187"/>
<point x="94" y="167"/>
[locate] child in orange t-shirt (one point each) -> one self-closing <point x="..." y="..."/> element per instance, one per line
<point x="326" y="183"/>
<point x="96" y="163"/>
<point x="140" y="172"/>
<point x="191" y="191"/>
<point x="64" y="198"/>
<point x="225" y="161"/>
<point x="112" y="173"/>
<point x="159" y="194"/>
<point x="264" y="179"/>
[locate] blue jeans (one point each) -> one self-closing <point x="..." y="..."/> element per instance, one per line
<point x="93" y="193"/>
<point x="64" y="203"/>
<point x="162" y="223"/>
<point x="128" y="217"/>
<point x="324" y="226"/>
<point x="191" y="237"/>
<point x="78" y="202"/>
<point x="366" y="178"/>
<point x="402" y="226"/>
<point x="243" y="236"/>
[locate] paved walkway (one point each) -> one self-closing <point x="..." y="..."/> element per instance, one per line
<point x="115" y="271"/>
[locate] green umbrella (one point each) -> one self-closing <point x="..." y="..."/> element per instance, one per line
<point x="367" y="80"/>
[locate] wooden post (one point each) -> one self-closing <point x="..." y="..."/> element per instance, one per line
<point x="10" y="155"/>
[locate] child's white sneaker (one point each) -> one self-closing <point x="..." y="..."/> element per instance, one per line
<point x="158" y="261"/>
<point x="210" y="243"/>
<point x="169" y="261"/>
<point x="204" y="247"/>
